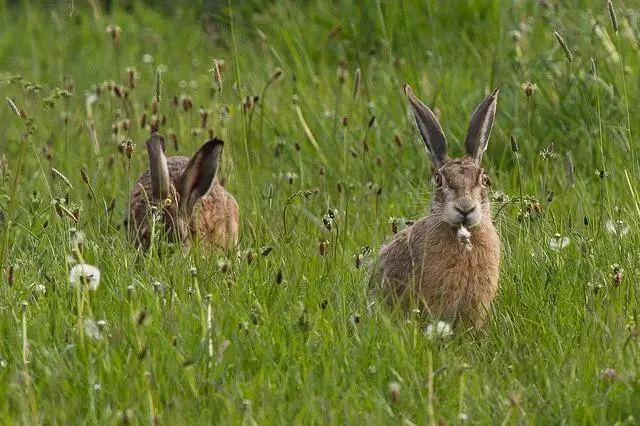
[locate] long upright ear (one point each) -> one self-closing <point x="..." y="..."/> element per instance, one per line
<point x="429" y="128"/>
<point x="160" y="182"/>
<point x="199" y="173"/>
<point x="480" y="127"/>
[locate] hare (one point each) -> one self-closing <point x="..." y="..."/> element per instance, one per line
<point x="448" y="261"/>
<point x="188" y="196"/>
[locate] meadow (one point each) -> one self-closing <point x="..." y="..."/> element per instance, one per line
<point x="322" y="154"/>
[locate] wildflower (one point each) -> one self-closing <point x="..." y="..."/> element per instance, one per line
<point x="224" y="266"/>
<point x="158" y="287"/>
<point x="514" y="144"/>
<point x="618" y="273"/>
<point x="323" y="247"/>
<point x="464" y="417"/>
<point x="601" y="173"/>
<point x="114" y="32"/>
<point x="558" y="242"/>
<point x="39" y="289"/>
<point x="264" y="251"/>
<point x="77" y="237"/>
<point x="291" y="177"/>
<point x="608" y="373"/>
<point x="617" y="227"/>
<point x="440" y="330"/>
<point x="147" y="58"/>
<point x="529" y="88"/>
<point x="84" y="274"/>
<point x="394" y="391"/>
<point x="464" y="237"/>
<point x="548" y="153"/>
<point x="500" y="197"/>
<point x="327" y="221"/>
<point x="91" y="329"/>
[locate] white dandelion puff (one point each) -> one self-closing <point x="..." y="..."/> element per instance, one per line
<point x="39" y="289"/>
<point x="440" y="330"/>
<point x="92" y="329"/>
<point x="77" y="237"/>
<point x="558" y="242"/>
<point x="90" y="99"/>
<point x="617" y="227"/>
<point x="464" y="236"/>
<point x="84" y="274"/>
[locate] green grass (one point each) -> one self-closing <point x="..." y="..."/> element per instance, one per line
<point x="294" y="337"/>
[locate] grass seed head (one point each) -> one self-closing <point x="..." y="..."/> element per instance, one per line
<point x="612" y="15"/>
<point x="564" y="46"/>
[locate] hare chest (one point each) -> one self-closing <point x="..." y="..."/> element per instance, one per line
<point x="459" y="282"/>
<point x="450" y="281"/>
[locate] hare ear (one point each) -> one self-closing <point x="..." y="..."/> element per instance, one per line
<point x="480" y="127"/>
<point x="158" y="169"/>
<point x="199" y="173"/>
<point x="429" y="128"/>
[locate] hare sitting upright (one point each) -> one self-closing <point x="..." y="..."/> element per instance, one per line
<point x="188" y="196"/>
<point x="448" y="262"/>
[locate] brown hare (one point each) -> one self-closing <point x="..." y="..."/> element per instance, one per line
<point x="190" y="200"/>
<point x="448" y="262"/>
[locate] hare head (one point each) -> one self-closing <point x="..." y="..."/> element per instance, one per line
<point x="460" y="184"/>
<point x="177" y="184"/>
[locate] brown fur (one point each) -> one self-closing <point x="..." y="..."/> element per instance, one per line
<point x="427" y="264"/>
<point x="451" y="275"/>
<point x="215" y="219"/>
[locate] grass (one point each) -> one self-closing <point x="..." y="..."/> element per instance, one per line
<point x="276" y="333"/>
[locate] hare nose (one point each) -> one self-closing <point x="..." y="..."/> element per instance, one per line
<point x="465" y="207"/>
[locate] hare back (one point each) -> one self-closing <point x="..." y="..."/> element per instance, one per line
<point x="427" y="263"/>
<point x="216" y="218"/>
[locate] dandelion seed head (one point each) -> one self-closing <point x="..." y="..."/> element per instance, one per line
<point x="91" y="329"/>
<point x="558" y="242"/>
<point x="84" y="274"/>
<point x="440" y="330"/>
<point x="617" y="227"/>
<point x="77" y="238"/>
<point x="608" y="373"/>
<point x="394" y="391"/>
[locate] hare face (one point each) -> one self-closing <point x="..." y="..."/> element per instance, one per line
<point x="461" y="189"/>
<point x="460" y="183"/>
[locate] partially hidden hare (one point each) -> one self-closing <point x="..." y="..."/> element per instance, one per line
<point x="190" y="201"/>
<point x="448" y="262"/>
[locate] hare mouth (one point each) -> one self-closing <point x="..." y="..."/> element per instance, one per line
<point x="467" y="222"/>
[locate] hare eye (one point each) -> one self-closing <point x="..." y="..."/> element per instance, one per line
<point x="485" y="180"/>
<point x="437" y="179"/>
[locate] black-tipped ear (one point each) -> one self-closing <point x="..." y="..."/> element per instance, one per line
<point x="480" y="127"/>
<point x="429" y="128"/>
<point x="199" y="173"/>
<point x="160" y="182"/>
